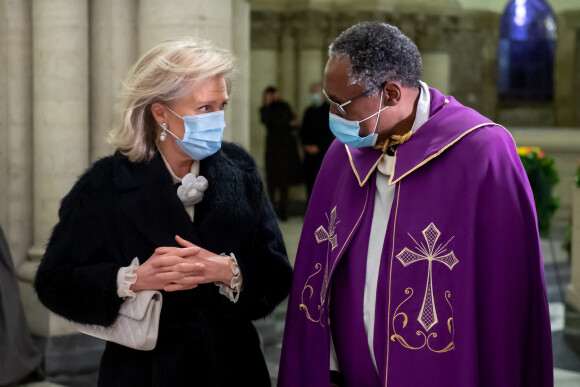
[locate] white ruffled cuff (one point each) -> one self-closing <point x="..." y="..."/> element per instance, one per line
<point x="126" y="278"/>
<point x="235" y="285"/>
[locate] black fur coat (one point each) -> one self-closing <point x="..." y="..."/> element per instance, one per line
<point x="119" y="210"/>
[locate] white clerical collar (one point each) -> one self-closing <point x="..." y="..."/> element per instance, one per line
<point x="423" y="107"/>
<point x="385" y="165"/>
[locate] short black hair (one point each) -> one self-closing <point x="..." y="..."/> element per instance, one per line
<point x="270" y="89"/>
<point x="378" y="52"/>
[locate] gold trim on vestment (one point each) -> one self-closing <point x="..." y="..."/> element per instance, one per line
<point x="390" y="282"/>
<point x="391" y="181"/>
<point x="318" y="269"/>
<point x="355" y="226"/>
<point x="361" y="183"/>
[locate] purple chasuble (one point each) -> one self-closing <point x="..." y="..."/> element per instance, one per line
<point x="346" y="308"/>
<point x="461" y="298"/>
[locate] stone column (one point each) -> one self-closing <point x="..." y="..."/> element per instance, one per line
<point x="286" y="67"/>
<point x="472" y="45"/>
<point x="573" y="293"/>
<point x="60" y="132"/>
<point x="210" y="20"/>
<point x="436" y="66"/>
<point x="572" y="317"/>
<point x="263" y="72"/>
<point x="238" y="129"/>
<point x="4" y="170"/>
<point x="432" y="36"/>
<point x="566" y="78"/>
<point x="114" y="49"/>
<point x="200" y="18"/>
<point x="311" y="45"/>
<point x="16" y="127"/>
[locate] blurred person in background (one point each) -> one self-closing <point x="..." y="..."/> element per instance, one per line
<point x="282" y="158"/>
<point x="315" y="135"/>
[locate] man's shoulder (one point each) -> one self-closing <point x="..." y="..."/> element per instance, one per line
<point x="485" y="149"/>
<point x="461" y="126"/>
<point x="336" y="162"/>
<point x="336" y="151"/>
<point x="488" y="137"/>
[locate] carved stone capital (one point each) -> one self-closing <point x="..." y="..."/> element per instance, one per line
<point x="311" y="29"/>
<point x="265" y="29"/>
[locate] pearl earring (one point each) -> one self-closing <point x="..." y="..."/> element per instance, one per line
<point x="163" y="135"/>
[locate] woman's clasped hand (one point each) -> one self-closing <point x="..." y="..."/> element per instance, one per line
<point x="182" y="268"/>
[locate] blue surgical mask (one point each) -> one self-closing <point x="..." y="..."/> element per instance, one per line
<point x="347" y="131"/>
<point x="316" y="98"/>
<point x="203" y="134"/>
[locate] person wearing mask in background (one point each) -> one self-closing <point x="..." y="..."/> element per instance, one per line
<point x="282" y="159"/>
<point x="419" y="262"/>
<point x="212" y="245"/>
<point x="315" y="135"/>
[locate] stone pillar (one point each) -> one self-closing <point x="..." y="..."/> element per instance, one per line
<point x="571" y="332"/>
<point x="472" y="46"/>
<point x="60" y="132"/>
<point x="566" y="66"/>
<point x="573" y="293"/>
<point x="433" y="33"/>
<point x="4" y="98"/>
<point x="206" y="19"/>
<point x="436" y="70"/>
<point x="238" y="129"/>
<point x="311" y="56"/>
<point x="286" y="67"/>
<point x="16" y="127"/>
<point x="263" y="72"/>
<point x="200" y="18"/>
<point x="114" y="46"/>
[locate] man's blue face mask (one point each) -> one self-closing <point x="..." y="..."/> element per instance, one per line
<point x="347" y="131"/>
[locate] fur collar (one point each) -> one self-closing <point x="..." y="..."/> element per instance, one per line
<point x="229" y="207"/>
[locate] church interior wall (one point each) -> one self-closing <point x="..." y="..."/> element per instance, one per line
<point x="59" y="101"/>
<point x="280" y="42"/>
<point x="458" y="41"/>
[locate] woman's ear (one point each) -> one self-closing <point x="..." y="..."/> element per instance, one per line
<point x="159" y="112"/>
<point x="391" y="93"/>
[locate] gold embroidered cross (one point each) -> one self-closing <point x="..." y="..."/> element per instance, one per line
<point x="322" y="235"/>
<point x="428" y="315"/>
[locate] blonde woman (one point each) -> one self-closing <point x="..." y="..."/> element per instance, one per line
<point x="174" y="209"/>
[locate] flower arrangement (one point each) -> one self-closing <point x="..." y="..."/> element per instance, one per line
<point x="543" y="177"/>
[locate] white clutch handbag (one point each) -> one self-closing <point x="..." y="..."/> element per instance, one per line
<point x="136" y="326"/>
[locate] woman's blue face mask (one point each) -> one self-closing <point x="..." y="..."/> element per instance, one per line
<point x="203" y="134"/>
<point x="347" y="131"/>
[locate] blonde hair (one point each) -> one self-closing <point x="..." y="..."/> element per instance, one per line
<point x="163" y="74"/>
